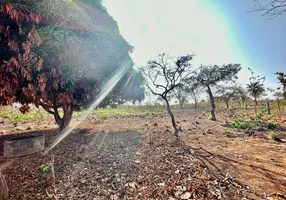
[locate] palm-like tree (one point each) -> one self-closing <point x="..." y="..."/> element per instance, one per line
<point x="256" y="87"/>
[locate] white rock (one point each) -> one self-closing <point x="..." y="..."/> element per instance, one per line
<point x="161" y="184"/>
<point x="186" y="195"/>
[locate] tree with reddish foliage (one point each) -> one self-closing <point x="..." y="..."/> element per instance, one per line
<point x="56" y="65"/>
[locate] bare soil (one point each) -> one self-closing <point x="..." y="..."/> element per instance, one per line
<point x="137" y="158"/>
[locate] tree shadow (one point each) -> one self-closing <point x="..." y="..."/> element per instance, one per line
<point x="220" y="164"/>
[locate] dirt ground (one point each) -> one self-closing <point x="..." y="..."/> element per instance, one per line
<point x="136" y="158"/>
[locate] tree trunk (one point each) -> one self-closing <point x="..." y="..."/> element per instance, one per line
<point x="196" y="105"/>
<point x="176" y="133"/>
<point x="227" y="106"/>
<point x="278" y="105"/>
<point x="181" y="105"/>
<point x="268" y="107"/>
<point x="64" y="121"/>
<point x="255" y="106"/>
<point x="212" y="103"/>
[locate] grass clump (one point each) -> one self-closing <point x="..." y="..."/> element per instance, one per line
<point x="273" y="136"/>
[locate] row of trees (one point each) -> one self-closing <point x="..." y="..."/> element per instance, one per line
<point x="59" y="54"/>
<point x="169" y="77"/>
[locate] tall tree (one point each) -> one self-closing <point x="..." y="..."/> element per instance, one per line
<point x="56" y="54"/>
<point x="165" y="74"/>
<point x="209" y="76"/>
<point x="281" y="76"/>
<point x="255" y="87"/>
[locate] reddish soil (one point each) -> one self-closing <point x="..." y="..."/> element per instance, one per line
<point x="137" y="158"/>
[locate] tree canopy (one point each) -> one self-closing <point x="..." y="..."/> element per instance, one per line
<point x="255" y="87"/>
<point x="209" y="76"/>
<point x="281" y="76"/>
<point x="58" y="54"/>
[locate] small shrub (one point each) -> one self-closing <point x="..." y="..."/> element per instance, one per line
<point x="261" y="113"/>
<point x="272" y="126"/>
<point x="210" y="117"/>
<point x="283" y="103"/>
<point x="43" y="173"/>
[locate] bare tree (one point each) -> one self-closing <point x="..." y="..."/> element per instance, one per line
<point x="195" y="90"/>
<point x="209" y="76"/>
<point x="271" y="9"/>
<point x="163" y="75"/>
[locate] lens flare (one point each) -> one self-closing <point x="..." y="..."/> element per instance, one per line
<point x="104" y="92"/>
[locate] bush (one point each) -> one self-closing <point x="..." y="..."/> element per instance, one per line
<point x="272" y="126"/>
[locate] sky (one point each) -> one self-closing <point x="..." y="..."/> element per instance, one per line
<point x="216" y="31"/>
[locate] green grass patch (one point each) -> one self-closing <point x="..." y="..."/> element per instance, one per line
<point x="16" y="116"/>
<point x="253" y="124"/>
<point x="127" y="111"/>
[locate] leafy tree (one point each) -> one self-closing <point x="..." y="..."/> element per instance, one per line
<point x="209" y="76"/>
<point x="240" y="93"/>
<point x="130" y="88"/>
<point x="281" y="76"/>
<point x="277" y="96"/>
<point x="163" y="75"/>
<point x="181" y="94"/>
<point x="195" y="90"/>
<point x="226" y="93"/>
<point x="255" y="87"/>
<point x="56" y="55"/>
